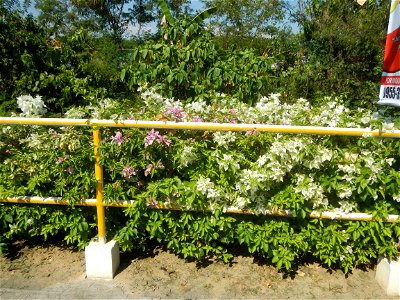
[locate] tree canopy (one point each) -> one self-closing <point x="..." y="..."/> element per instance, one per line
<point x="73" y="51"/>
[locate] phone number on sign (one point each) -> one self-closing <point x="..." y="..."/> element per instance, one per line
<point x="391" y="92"/>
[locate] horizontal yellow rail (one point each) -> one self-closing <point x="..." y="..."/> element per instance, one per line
<point x="202" y="126"/>
<point x="61" y="201"/>
<point x="332" y="215"/>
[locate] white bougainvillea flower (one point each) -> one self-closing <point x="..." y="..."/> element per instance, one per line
<point x="187" y="156"/>
<point x="31" y="107"/>
<point x="204" y="185"/>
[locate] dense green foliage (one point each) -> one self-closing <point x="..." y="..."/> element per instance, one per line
<point x="285" y="242"/>
<point x="207" y="173"/>
<point x="242" y="19"/>
<point x="202" y="236"/>
<point x="187" y="64"/>
<point x="337" y="51"/>
<point x="186" y="72"/>
<point x="19" y="39"/>
<point x="343" y="49"/>
<point x="74" y="225"/>
<point x="65" y="70"/>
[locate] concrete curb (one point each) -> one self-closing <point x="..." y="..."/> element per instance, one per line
<point x="388" y="276"/>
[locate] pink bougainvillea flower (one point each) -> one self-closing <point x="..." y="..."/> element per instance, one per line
<point x="61" y="159"/>
<point x="163" y="139"/>
<point x="155" y="136"/>
<point x="128" y="172"/>
<point x="176" y="112"/>
<point x="197" y="119"/>
<point x="148" y="170"/>
<point x="118" y="139"/>
<point x="160" y="165"/>
<point x="152" y="202"/>
<point x="152" y="136"/>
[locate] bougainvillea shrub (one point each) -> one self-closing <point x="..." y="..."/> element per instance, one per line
<point x="205" y="173"/>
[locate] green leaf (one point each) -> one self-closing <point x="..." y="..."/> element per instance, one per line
<point x="205" y="14"/>
<point x="167" y="52"/>
<point x="123" y="72"/>
<point x="165" y="10"/>
<point x="179" y="76"/>
<point x="8" y="218"/>
<point x="216" y="73"/>
<point x="279" y="264"/>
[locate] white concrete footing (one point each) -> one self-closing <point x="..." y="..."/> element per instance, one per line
<point x="388" y="276"/>
<point x="102" y="259"/>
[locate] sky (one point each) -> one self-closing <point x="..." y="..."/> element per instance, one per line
<point x="196" y="4"/>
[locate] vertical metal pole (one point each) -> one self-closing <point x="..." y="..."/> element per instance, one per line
<point x="98" y="170"/>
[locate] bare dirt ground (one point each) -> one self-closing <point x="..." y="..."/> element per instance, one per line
<point x="161" y="274"/>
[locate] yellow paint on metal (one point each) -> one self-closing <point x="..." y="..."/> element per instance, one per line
<point x="48" y="200"/>
<point x="276" y="213"/>
<point x="203" y="126"/>
<point x="98" y="202"/>
<point x="247" y="127"/>
<point x="101" y="224"/>
<point x="44" y="121"/>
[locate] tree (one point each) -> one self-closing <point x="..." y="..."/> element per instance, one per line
<point x="187" y="64"/>
<point x="22" y="46"/>
<point x="111" y="14"/>
<point x="343" y="44"/>
<point x="243" y="20"/>
<point x="143" y="13"/>
<point x="15" y="5"/>
<point x="116" y="16"/>
<point x="179" y="7"/>
<point x="60" y="18"/>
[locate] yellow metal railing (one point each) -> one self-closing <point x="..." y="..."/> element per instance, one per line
<point x="100" y="204"/>
<point x="98" y="171"/>
<point x="203" y="126"/>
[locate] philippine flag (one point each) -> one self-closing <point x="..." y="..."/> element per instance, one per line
<point x="390" y="82"/>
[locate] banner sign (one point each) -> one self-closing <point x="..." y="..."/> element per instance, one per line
<point x="390" y="82"/>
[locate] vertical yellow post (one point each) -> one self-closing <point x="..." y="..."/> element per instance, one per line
<point x="98" y="170"/>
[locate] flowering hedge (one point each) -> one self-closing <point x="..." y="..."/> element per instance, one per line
<point x="216" y="170"/>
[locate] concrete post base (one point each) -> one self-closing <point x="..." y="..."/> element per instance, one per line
<point x="102" y="260"/>
<point x="388" y="276"/>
